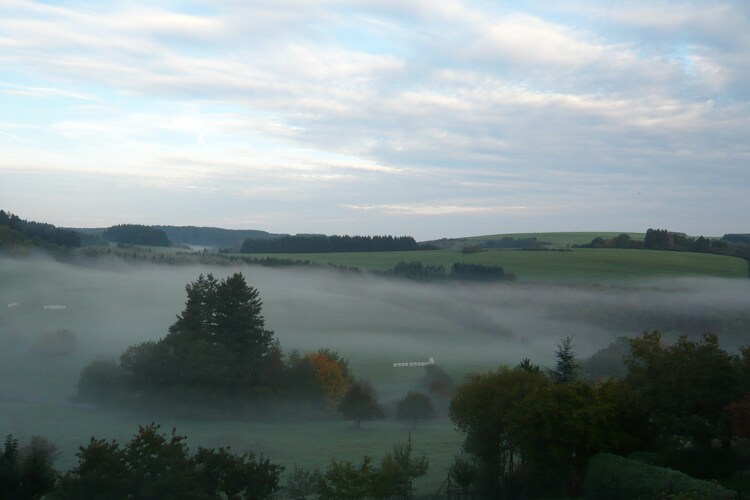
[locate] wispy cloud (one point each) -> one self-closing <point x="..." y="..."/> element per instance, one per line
<point x="386" y="108"/>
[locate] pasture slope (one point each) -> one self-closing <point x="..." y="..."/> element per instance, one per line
<point x="556" y="240"/>
<point x="579" y="265"/>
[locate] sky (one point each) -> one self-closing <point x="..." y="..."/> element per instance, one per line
<point x="439" y="118"/>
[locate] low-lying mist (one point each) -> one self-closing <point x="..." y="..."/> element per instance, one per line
<point x="55" y="318"/>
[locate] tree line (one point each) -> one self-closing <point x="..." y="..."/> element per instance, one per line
<point x="155" y="465"/>
<point x="327" y="244"/>
<point x="218" y="358"/>
<point x="137" y="234"/>
<point x="663" y="239"/>
<point x="533" y="432"/>
<point x="15" y="231"/>
<point x="459" y="271"/>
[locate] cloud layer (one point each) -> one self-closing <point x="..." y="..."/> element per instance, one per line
<point x="366" y="117"/>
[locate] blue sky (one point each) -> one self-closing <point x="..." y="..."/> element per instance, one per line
<point x="429" y="118"/>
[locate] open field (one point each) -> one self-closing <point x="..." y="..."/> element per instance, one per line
<point x="370" y="320"/>
<point x="578" y="265"/>
<point x="557" y="239"/>
<point x="308" y="445"/>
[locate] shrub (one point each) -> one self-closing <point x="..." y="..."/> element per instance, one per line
<point x="613" y="477"/>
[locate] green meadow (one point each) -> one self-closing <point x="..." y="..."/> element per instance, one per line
<point x="370" y="320"/>
<point x="556" y="240"/>
<point x="577" y="265"/>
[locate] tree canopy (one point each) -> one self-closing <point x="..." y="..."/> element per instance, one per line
<point x="360" y="403"/>
<point x="154" y="465"/>
<point x="219" y="343"/>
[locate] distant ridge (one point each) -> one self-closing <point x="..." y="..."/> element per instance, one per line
<point x="213" y="236"/>
<point x="198" y="235"/>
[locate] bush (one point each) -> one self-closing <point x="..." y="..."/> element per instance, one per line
<point x="614" y="477"/>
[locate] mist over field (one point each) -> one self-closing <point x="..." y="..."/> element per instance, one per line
<point x="372" y="321"/>
<point x="56" y="318"/>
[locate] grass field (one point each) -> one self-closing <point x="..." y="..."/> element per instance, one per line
<point x="308" y="445"/>
<point x="557" y="239"/>
<point x="577" y="265"/>
<point x="369" y="320"/>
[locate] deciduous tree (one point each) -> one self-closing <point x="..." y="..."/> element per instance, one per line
<point x="360" y="403"/>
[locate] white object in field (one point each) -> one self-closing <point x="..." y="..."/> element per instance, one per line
<point x="54" y="307"/>
<point x="410" y="364"/>
<point x="14" y="304"/>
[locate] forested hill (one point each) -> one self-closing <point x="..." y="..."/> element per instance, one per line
<point x="326" y="244"/>
<point x="181" y="235"/>
<point x="213" y="236"/>
<point x="16" y="231"/>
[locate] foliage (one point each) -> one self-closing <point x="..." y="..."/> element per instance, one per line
<point x="218" y="345"/>
<point x="478" y="272"/>
<point x="414" y="406"/>
<point x="346" y="480"/>
<point x="27" y="472"/>
<point x="137" y="234"/>
<point x="437" y="381"/>
<point x="35" y="233"/>
<point x="331" y="373"/>
<point x="327" y="244"/>
<point x="153" y="465"/>
<point x="212" y="236"/>
<point x="459" y="271"/>
<point x="360" y="403"/>
<point x="560" y="426"/>
<point x="566" y="368"/>
<point x="481" y="408"/>
<point x="302" y="483"/>
<point x="343" y="480"/>
<point x="397" y="471"/>
<point x="464" y="470"/>
<point x="610" y="476"/>
<point x="686" y="386"/>
<point x="620" y="241"/>
<point x="608" y="362"/>
<point x="418" y="271"/>
<point x="527" y="365"/>
<point x="739" y="412"/>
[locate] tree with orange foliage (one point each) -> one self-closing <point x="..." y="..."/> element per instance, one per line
<point x="331" y="373"/>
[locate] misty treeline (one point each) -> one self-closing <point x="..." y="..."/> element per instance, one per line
<point x="475" y="245"/>
<point x="683" y="406"/>
<point x="154" y="465"/>
<point x="737" y="245"/>
<point x="16" y="231"/>
<point x="150" y="465"/>
<point x="219" y="360"/>
<point x="136" y="234"/>
<point x="326" y="244"/>
<point x="459" y="271"/>
<point x="218" y="355"/>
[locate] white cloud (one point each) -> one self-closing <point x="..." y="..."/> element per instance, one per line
<point x="414" y="106"/>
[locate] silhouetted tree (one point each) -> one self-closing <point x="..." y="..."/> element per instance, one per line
<point x="566" y="367"/>
<point x="152" y="465"/>
<point x="360" y="403"/>
<point x="414" y="406"/>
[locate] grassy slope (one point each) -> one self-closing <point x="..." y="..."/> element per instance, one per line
<point x="557" y="239"/>
<point x="578" y="265"/>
